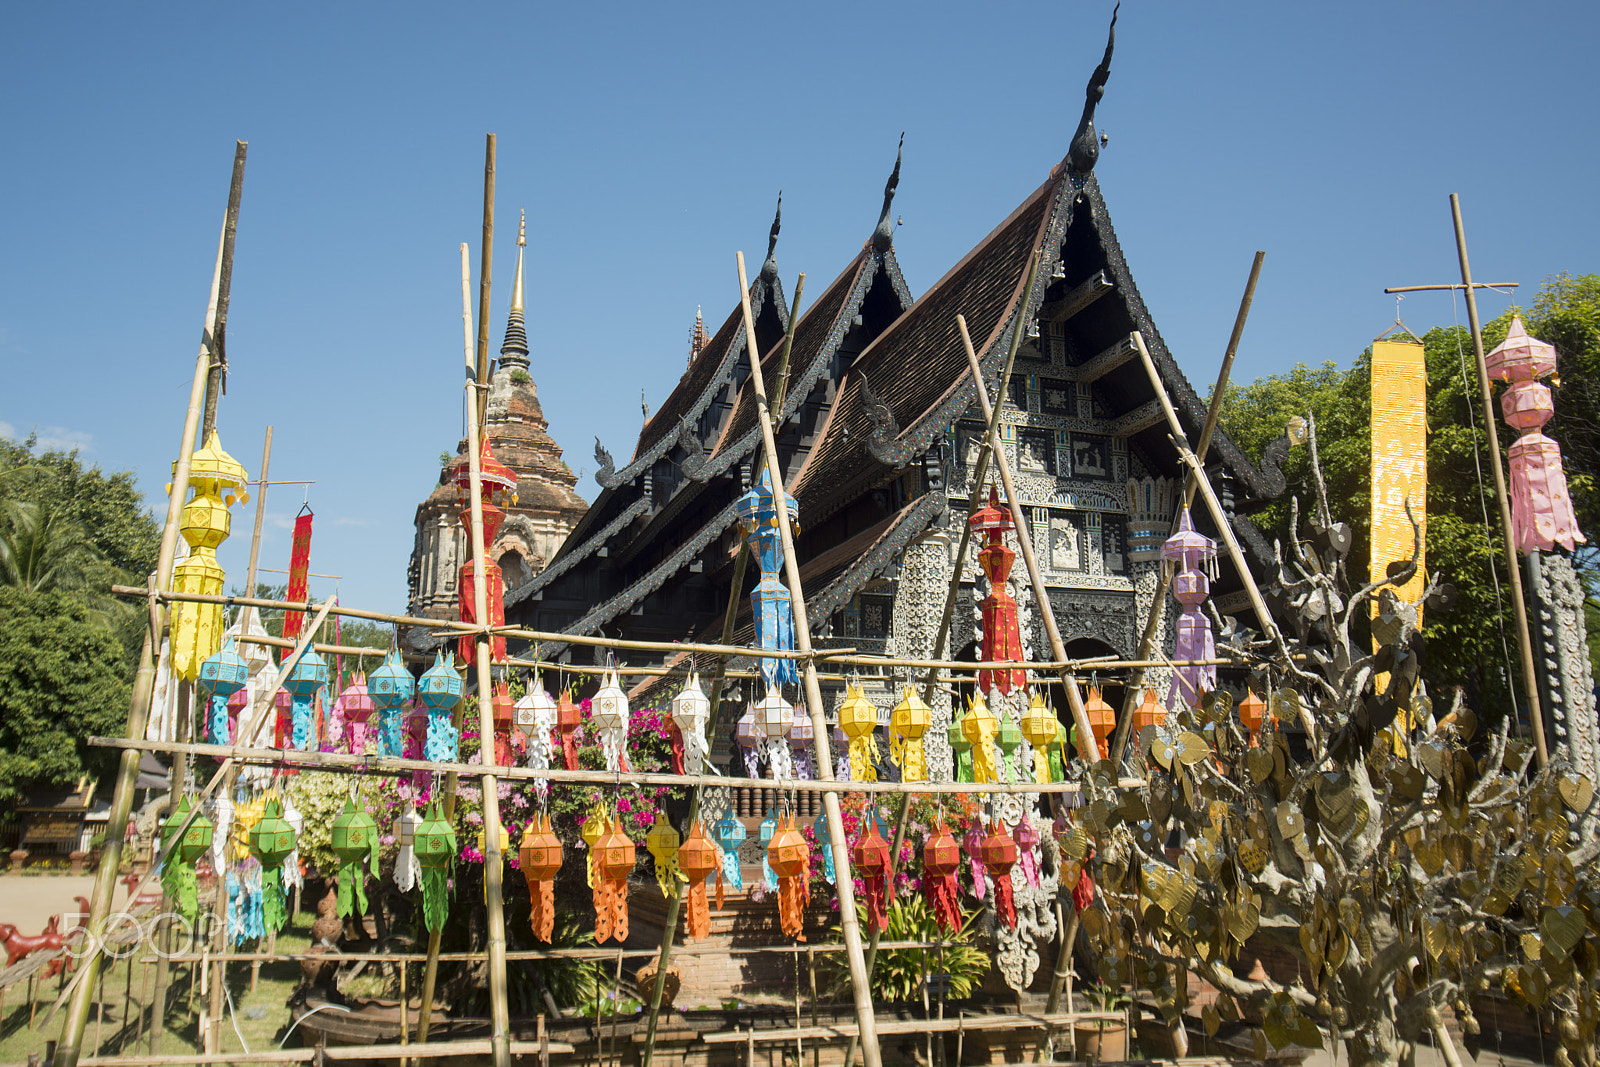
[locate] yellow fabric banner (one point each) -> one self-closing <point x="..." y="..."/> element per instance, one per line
<point x="1399" y="457"/>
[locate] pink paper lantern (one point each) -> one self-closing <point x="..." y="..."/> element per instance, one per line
<point x="1541" y="505"/>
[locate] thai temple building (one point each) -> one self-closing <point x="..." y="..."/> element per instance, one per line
<point x="547" y="506"/>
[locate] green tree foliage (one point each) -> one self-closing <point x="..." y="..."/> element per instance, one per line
<point x="1468" y="644"/>
<point x="62" y="679"/>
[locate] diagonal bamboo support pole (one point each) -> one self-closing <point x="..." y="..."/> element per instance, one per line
<point x="1158" y="601"/>
<point x="675" y="899"/>
<point x="860" y="985"/>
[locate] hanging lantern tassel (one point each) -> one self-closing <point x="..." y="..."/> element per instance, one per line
<point x="608" y="714"/>
<point x="406" y="869"/>
<point x="698" y="857"/>
<point x="941" y="859"/>
<point x="769" y="830"/>
<point x="859" y="721"/>
<point x="568" y="718"/>
<point x="972" y="845"/>
<point x="292" y="878"/>
<point x="908" y="722"/>
<point x="663" y="843"/>
<point x="615" y="860"/>
<point x="999" y="856"/>
<point x="177" y="873"/>
<point x="819" y="830"/>
<point x="355" y="840"/>
<point x="871" y="859"/>
<point x="541" y="860"/>
<point x="730" y="834"/>
<point x="594" y="827"/>
<point x="774" y="716"/>
<point x="790" y="858"/>
<point x="271" y="841"/>
<point x="1027" y="838"/>
<point x="979" y="726"/>
<point x="960" y="751"/>
<point x="435" y="844"/>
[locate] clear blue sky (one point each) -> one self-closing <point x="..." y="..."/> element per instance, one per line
<point x="648" y="142"/>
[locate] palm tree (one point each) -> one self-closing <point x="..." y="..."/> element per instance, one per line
<point x="43" y="548"/>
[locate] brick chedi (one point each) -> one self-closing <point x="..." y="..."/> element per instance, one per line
<point x="547" y="506"/>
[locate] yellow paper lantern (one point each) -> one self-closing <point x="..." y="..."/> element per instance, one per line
<point x="859" y="720"/>
<point x="978" y="726"/>
<point x="1041" y="728"/>
<point x="908" y="722"/>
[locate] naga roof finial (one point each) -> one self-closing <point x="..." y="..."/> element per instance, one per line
<point x="769" y="269"/>
<point x="1084" y="150"/>
<point x="883" y="236"/>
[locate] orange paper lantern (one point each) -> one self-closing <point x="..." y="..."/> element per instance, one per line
<point x="699" y="858"/>
<point x="541" y="855"/>
<point x="790" y="859"/>
<point x="614" y="857"/>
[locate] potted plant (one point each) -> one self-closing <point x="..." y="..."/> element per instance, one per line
<point x="1102" y="1039"/>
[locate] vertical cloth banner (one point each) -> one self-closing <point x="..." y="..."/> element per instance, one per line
<point x="1399" y="458"/>
<point x="299" y="571"/>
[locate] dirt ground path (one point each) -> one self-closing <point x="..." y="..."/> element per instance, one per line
<point x="28" y="901"/>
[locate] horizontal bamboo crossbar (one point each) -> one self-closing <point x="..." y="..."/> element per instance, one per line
<point x="523" y="954"/>
<point x="391" y="766"/>
<point x="436" y="1050"/>
<point x="840" y="657"/>
<point x="915" y="1026"/>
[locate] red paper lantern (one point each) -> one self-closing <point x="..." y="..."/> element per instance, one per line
<point x="569" y="716"/>
<point x="870" y="857"/>
<point x="941" y="859"/>
<point x="999" y="854"/>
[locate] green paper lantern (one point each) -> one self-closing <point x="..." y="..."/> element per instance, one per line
<point x="435" y="847"/>
<point x="355" y="838"/>
<point x="178" y="879"/>
<point x="271" y="842"/>
<point x="960" y="751"/>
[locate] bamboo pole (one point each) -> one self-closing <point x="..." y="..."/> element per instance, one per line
<point x="675" y="898"/>
<point x="533" y="954"/>
<point x="395" y="766"/>
<point x="1519" y="607"/>
<point x="485" y="269"/>
<point x="1158" y="601"/>
<point x="77" y="1017"/>
<point x="216" y="382"/>
<point x="860" y="985"/>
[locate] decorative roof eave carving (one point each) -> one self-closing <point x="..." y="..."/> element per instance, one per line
<point x="649" y="583"/>
<point x="565" y="563"/>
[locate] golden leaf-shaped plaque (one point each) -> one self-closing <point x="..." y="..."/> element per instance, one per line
<point x="1306" y="1033"/>
<point x="1192" y="748"/>
<point x="1076" y="845"/>
<point x="1496" y="903"/>
<point x="1429" y="855"/>
<point x="1562" y="927"/>
<point x="1211" y="1019"/>
<point x="1312" y="945"/>
<point x="1577" y="792"/>
<point x="1532" y="943"/>
<point x="1487" y="943"/>
<point x="1433" y="936"/>
<point x="1560" y="880"/>
<point x="1291" y="823"/>
<point x="1258" y="763"/>
<point x="1227" y="1009"/>
<point x="1258" y="1038"/>
<point x="1407" y="782"/>
<point x="1431" y="756"/>
<point x="1216" y="705"/>
<point x="1071" y="871"/>
<point x="1286" y="705"/>
<point x="1252" y="856"/>
<point x="1208" y="852"/>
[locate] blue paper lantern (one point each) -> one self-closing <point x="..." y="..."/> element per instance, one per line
<point x="391" y="688"/>
<point x="770" y="600"/>
<point x="440" y="690"/>
<point x="223" y="674"/>
<point x="306" y="678"/>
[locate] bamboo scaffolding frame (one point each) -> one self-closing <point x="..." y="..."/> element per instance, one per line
<point x="395" y="766"/>
<point x="533" y="954"/>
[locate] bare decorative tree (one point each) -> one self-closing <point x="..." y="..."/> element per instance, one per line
<point x="1409" y="865"/>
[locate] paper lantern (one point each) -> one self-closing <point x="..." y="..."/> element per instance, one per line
<point x="699" y="858"/>
<point x="272" y="840"/>
<point x="730" y="834"/>
<point x="941" y="859"/>
<point x="497" y="485"/>
<point x="790" y="859"/>
<point x="357" y="705"/>
<point x="391" y="688"/>
<point x="541" y="857"/>
<point x="501" y="715"/>
<point x="178" y="878"/>
<point x="802" y="747"/>
<point x="979" y="727"/>
<point x="770" y="600"/>
<point x="435" y="843"/>
<point x="1008" y="737"/>
<point x="908" y="722"/>
<point x="859" y="721"/>
<point x="306" y="678"/>
<point x="1040" y="728"/>
<point x="1148" y="713"/>
<point x="1541" y="504"/>
<point x="440" y="690"/>
<point x="662" y="842"/>
<point x="960" y="751"/>
<point x="1101" y="720"/>
<point x="1027" y="838"/>
<point x="1002" y="635"/>
<point x="355" y="840"/>
<point x="608" y="715"/>
<point x="748" y="735"/>
<point x="614" y="860"/>
<point x="824" y="836"/>
<point x="406" y="869"/>
<point x="774" y="715"/>
<point x="223" y="674"/>
<point x="569" y="716"/>
<point x="1252" y="713"/>
<point x="691" y="709"/>
<point x="999" y="856"/>
<point x="1189" y="550"/>
<point x="870" y="860"/>
<point x="196" y="631"/>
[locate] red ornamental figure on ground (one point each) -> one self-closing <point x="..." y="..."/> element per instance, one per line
<point x="1541" y="505"/>
<point x="941" y="859"/>
<point x="698" y="858"/>
<point x="541" y="858"/>
<point x="614" y="859"/>
<point x="999" y="856"/>
<point x="497" y="484"/>
<point x="1002" y="636"/>
<point x="790" y="859"/>
<point x="870" y="857"/>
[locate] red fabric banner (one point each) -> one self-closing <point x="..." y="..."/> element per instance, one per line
<point x="299" y="571"/>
